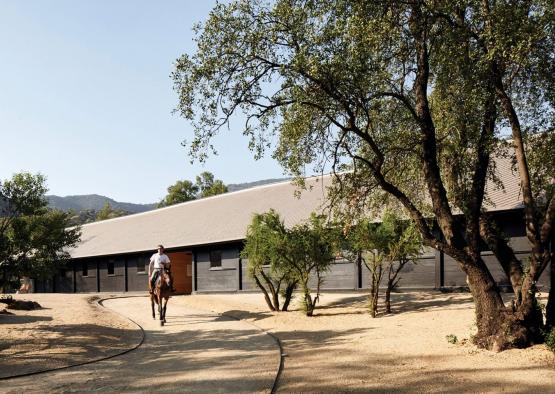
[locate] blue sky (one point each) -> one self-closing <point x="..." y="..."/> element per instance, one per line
<point x="86" y="98"/>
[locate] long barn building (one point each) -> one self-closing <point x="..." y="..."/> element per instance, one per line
<point x="204" y="238"/>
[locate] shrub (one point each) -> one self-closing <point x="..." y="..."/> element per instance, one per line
<point x="452" y="339"/>
<point x="550" y="339"/>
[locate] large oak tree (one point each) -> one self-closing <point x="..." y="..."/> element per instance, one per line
<point x="414" y="98"/>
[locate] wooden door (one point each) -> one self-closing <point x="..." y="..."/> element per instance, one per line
<point x="182" y="263"/>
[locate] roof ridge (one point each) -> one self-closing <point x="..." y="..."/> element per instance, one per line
<point x="204" y="199"/>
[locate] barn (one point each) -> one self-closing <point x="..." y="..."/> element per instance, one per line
<point x="204" y="238"/>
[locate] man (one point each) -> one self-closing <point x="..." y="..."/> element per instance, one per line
<point x="158" y="262"/>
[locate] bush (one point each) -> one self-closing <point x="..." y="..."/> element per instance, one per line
<point x="550" y="339"/>
<point x="452" y="339"/>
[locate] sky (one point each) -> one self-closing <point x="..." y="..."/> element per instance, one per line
<point x="86" y="98"/>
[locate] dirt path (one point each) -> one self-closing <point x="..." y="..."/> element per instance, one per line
<point x="342" y="349"/>
<point x="195" y="352"/>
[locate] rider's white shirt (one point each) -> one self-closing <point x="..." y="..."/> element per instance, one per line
<point x="158" y="260"/>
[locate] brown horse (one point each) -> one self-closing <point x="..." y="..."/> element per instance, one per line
<point x="160" y="295"/>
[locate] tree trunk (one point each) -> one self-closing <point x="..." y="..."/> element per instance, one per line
<point x="309" y="306"/>
<point x="550" y="308"/>
<point x="265" y="292"/>
<point x="388" y="296"/>
<point x="501" y="328"/>
<point x="375" y="290"/>
<point x="275" y="294"/>
<point x="288" y="295"/>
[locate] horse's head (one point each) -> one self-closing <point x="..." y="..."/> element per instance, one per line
<point x="166" y="278"/>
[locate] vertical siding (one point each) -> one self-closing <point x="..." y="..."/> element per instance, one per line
<point x="224" y="278"/>
<point x="342" y="275"/>
<point x="137" y="280"/>
<point x="116" y="281"/>
<point x="64" y="281"/>
<point x="247" y="284"/>
<point x="419" y="275"/>
<point x="85" y="284"/>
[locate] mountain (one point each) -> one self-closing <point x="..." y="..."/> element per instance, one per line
<point x="94" y="202"/>
<point x="233" y="187"/>
<point x="87" y="206"/>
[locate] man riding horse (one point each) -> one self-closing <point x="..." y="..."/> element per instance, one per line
<point x="158" y="262"/>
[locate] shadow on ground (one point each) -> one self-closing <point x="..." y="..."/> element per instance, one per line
<point x="55" y="346"/>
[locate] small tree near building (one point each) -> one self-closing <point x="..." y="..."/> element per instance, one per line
<point x="385" y="249"/>
<point x="310" y="248"/>
<point x="266" y="264"/>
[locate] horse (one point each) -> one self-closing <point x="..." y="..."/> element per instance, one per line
<point x="161" y="294"/>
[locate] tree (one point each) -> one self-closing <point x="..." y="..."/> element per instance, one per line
<point x="403" y="247"/>
<point x="366" y="243"/>
<point x="266" y="237"/>
<point x="308" y="249"/>
<point x="385" y="248"/>
<point x="181" y="191"/>
<point x="107" y="212"/>
<point x="413" y="98"/>
<point x="208" y="186"/>
<point x="33" y="239"/>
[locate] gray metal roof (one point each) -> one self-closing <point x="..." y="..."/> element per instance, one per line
<point x="225" y="217"/>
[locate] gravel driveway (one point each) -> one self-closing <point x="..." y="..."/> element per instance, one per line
<point x="195" y="351"/>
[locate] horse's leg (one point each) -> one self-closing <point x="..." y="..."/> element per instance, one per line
<point x="152" y="306"/>
<point x="160" y="307"/>
<point x="165" y="307"/>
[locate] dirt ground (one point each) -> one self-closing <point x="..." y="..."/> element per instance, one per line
<point x="69" y="329"/>
<point x="341" y="349"/>
<point x="195" y="352"/>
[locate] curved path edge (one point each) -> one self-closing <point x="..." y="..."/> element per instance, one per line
<point x="98" y="302"/>
<point x="281" y="365"/>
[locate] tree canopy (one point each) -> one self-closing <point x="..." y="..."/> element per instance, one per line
<point x="412" y="98"/>
<point x="107" y="212"/>
<point x="184" y="190"/>
<point x="33" y="239"/>
<point x="266" y="250"/>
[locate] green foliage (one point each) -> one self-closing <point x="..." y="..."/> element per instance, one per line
<point x="184" y="190"/>
<point x="264" y="251"/>
<point x="107" y="212"/>
<point x="410" y="102"/>
<point x="181" y="191"/>
<point x="452" y="339"/>
<point x="550" y="339"/>
<point x="294" y="255"/>
<point x="385" y="248"/>
<point x="208" y="186"/>
<point x="33" y="239"/>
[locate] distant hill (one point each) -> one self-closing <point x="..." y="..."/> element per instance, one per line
<point x="94" y="202"/>
<point x="233" y="187"/>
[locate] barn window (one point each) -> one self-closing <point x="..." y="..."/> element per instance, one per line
<point x="215" y="258"/>
<point x="141" y="265"/>
<point x="111" y="268"/>
<point x="85" y="268"/>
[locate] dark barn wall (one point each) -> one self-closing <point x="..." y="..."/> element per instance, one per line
<point x="64" y="281"/>
<point x="224" y="278"/>
<point x="85" y="284"/>
<point x="413" y="276"/>
<point x="112" y="282"/>
<point x="247" y="283"/>
<point x="137" y="278"/>
<point x="342" y="275"/>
